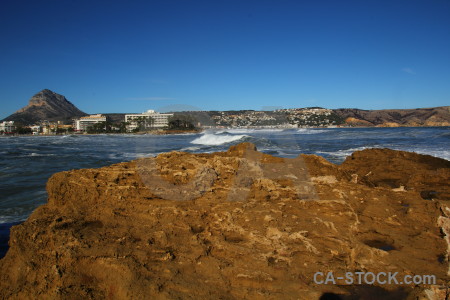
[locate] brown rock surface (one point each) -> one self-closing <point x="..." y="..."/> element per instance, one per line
<point x="357" y="122"/>
<point x="235" y="225"/>
<point x="389" y="124"/>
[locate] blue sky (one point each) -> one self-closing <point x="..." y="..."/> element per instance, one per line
<point x="129" y="56"/>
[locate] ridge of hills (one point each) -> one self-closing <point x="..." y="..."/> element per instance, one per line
<point x="434" y="116"/>
<point x="50" y="106"/>
<point x="318" y="116"/>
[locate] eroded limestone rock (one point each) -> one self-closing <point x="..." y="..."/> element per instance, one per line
<point x="254" y="227"/>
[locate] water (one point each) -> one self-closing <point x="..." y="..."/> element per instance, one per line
<point x="26" y="163"/>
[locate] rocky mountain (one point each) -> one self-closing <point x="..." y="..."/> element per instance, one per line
<point x="238" y="224"/>
<point x="436" y="116"/>
<point x="46" y="105"/>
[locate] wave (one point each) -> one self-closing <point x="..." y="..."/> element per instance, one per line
<point x="310" y="131"/>
<point x="34" y="154"/>
<point x="343" y="153"/>
<point x="192" y="149"/>
<point x="40" y="154"/>
<point x="445" y="154"/>
<point x="444" y="134"/>
<point x="439" y="153"/>
<point x="248" y="130"/>
<point x="129" y="155"/>
<point x="13" y="219"/>
<point x="214" y="140"/>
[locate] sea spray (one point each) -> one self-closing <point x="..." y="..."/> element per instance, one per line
<point x="210" y="139"/>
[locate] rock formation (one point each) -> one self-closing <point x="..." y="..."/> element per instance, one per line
<point x="236" y="225"/>
<point x="357" y="122"/>
<point x="46" y="105"/>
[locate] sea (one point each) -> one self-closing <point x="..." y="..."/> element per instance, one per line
<point x="26" y="162"/>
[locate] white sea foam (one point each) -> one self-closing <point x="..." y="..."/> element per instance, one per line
<point x="130" y="155"/>
<point x="11" y="219"/>
<point x="193" y="148"/>
<point x="246" y="130"/>
<point x="183" y="134"/>
<point x="342" y="153"/>
<point x="41" y="154"/>
<point x="214" y="140"/>
<point x="310" y="131"/>
<point x="440" y="153"/>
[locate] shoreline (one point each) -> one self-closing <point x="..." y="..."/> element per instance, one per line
<point x="170" y="132"/>
<point x="4" y="236"/>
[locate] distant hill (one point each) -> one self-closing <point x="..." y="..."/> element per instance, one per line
<point x="46" y="105"/>
<point x="435" y="116"/>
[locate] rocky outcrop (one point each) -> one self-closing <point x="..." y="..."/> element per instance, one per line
<point x="357" y="122"/>
<point x="46" y="105"/>
<point x="235" y="225"/>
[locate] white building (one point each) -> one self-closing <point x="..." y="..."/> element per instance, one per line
<point x="36" y="129"/>
<point x="83" y="123"/>
<point x="7" y="126"/>
<point x="148" y="119"/>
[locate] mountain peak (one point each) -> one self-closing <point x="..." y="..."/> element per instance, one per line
<point x="47" y="92"/>
<point x="46" y="105"/>
<point x="45" y="97"/>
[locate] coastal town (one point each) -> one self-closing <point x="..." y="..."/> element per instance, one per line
<point x="151" y="120"/>
<point x="97" y="123"/>
<point x="49" y="113"/>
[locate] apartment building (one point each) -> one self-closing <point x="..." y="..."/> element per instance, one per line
<point x="147" y="120"/>
<point x="83" y="123"/>
<point x="7" y="126"/>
